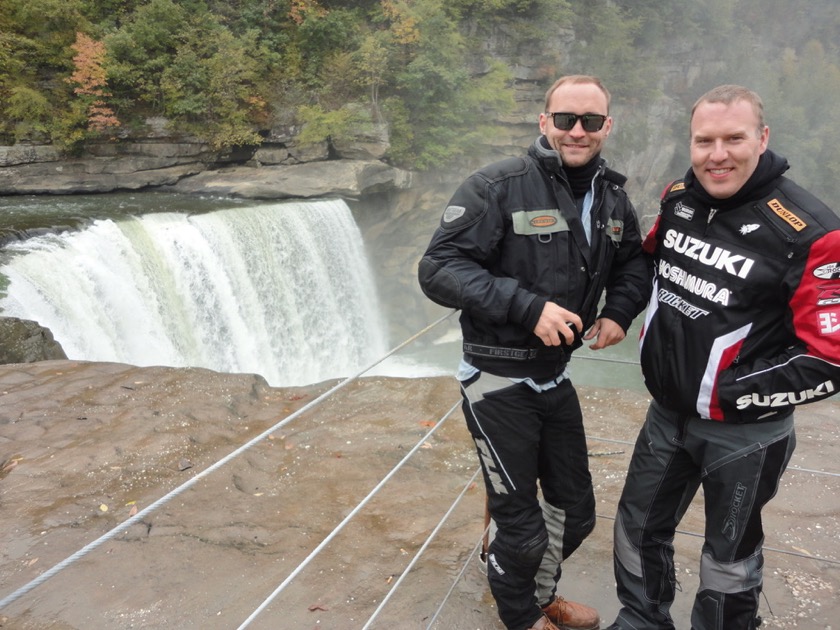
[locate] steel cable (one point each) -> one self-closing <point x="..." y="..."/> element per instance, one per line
<point x="49" y="573"/>
<point x="191" y="482"/>
<point x="422" y="549"/>
<point x="346" y="519"/>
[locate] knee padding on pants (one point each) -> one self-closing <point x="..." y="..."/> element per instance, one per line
<point x="526" y="555"/>
<point x="530" y="553"/>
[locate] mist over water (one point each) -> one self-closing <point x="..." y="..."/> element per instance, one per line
<point x="282" y="290"/>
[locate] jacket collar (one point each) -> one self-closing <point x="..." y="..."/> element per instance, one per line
<point x="551" y="161"/>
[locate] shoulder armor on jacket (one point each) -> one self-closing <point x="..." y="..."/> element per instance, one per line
<point x="614" y="177"/>
<point x="797" y="209"/>
<point x="673" y="190"/>
<point x="503" y="168"/>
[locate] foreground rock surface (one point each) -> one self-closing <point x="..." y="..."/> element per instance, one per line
<point x="84" y="446"/>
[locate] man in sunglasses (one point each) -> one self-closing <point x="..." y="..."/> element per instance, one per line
<point x="526" y="248"/>
<point x="743" y="325"/>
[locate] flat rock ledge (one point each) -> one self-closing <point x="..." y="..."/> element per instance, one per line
<point x="276" y="169"/>
<point x="343" y="178"/>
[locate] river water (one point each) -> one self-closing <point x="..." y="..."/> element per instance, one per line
<point x="281" y="289"/>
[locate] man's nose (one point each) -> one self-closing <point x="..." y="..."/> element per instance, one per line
<point x="578" y="131"/>
<point x="719" y="152"/>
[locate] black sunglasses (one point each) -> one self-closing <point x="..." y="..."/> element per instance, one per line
<point x="566" y="122"/>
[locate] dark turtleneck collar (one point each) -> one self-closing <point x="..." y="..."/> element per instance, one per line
<point x="580" y="177"/>
<point x="770" y="167"/>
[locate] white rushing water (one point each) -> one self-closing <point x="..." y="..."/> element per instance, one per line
<point x="283" y="290"/>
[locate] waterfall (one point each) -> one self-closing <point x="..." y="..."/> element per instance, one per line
<point x="283" y="290"/>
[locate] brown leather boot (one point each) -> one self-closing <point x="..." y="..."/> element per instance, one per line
<point x="572" y="616"/>
<point x="544" y="623"/>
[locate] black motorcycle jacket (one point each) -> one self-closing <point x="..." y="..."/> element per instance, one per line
<point x="511" y="239"/>
<point x="744" y="319"/>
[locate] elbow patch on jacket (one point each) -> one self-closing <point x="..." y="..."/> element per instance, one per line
<point x="438" y="285"/>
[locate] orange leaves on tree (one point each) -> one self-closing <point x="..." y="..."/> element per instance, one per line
<point x="300" y="9"/>
<point x="403" y="24"/>
<point x="91" y="82"/>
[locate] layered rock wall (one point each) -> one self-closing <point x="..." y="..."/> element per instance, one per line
<point x="275" y="170"/>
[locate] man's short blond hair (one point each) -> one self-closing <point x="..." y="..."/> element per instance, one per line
<point x="728" y="94"/>
<point x="577" y="78"/>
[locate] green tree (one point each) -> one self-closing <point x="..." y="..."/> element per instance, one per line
<point x="35" y="40"/>
<point x="212" y="87"/>
<point x="805" y="129"/>
<point x="608" y="49"/>
<point x="28" y="112"/>
<point x="438" y="90"/>
<point x="321" y="36"/>
<point x="142" y="49"/>
<point x="237" y="105"/>
<point x="108" y="14"/>
<point x="319" y="125"/>
<point x="41" y="33"/>
<point x="372" y="61"/>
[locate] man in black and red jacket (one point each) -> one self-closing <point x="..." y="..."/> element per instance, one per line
<point x="743" y="325"/>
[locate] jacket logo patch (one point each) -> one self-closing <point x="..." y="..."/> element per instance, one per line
<point x="783" y="399"/>
<point x="831" y="271"/>
<point x="453" y="212"/>
<point x="705" y="253"/>
<point x="677" y="187"/>
<point x="543" y="221"/>
<point x="615" y="230"/>
<point x="683" y="211"/>
<point x="698" y="286"/>
<point x="686" y="308"/>
<point x="746" y="229"/>
<point x="540" y="222"/>
<point x="829" y="322"/>
<point x="786" y="215"/>
<point x="829" y="294"/>
<point x="730" y="524"/>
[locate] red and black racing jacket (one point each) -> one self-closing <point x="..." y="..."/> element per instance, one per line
<point x="744" y="319"/>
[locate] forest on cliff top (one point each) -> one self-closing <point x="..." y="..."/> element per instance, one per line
<point x="440" y="74"/>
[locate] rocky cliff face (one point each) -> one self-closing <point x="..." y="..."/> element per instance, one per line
<point x="277" y="169"/>
<point x="154" y="157"/>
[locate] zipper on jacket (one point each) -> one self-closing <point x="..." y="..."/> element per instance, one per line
<point x="596" y="279"/>
<point x="790" y="240"/>
<point x="600" y="194"/>
<point x="712" y="213"/>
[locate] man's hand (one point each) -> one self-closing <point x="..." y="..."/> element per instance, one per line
<point x="553" y="326"/>
<point x="607" y="331"/>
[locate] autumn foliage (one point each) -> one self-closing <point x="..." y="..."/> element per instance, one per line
<point x="91" y="83"/>
<point x="301" y="8"/>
